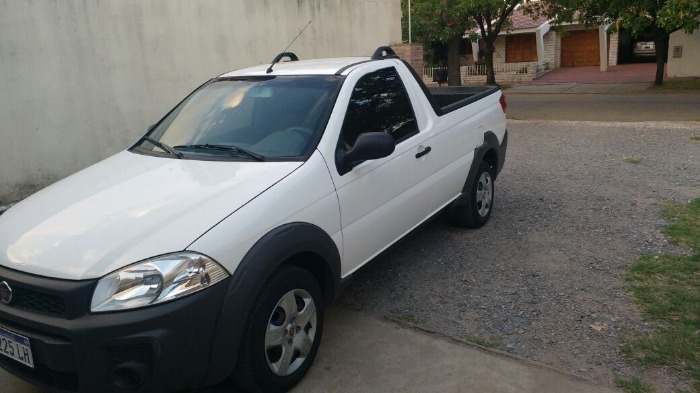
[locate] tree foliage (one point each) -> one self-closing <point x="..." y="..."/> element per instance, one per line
<point x="635" y="15"/>
<point x="491" y="17"/>
<point x="660" y="17"/>
<point x="448" y="21"/>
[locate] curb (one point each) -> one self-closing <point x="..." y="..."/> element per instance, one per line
<point x="581" y="88"/>
<point x="491" y="351"/>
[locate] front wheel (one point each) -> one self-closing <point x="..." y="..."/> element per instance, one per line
<point x="477" y="209"/>
<point x="283" y="333"/>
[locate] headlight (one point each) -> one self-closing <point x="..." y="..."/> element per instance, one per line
<point x="156" y="280"/>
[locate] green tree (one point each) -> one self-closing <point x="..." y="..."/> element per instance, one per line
<point x="443" y="21"/>
<point x="448" y="20"/>
<point x="491" y="17"/>
<point x="661" y="17"/>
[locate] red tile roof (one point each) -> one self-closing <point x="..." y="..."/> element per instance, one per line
<point x="520" y="21"/>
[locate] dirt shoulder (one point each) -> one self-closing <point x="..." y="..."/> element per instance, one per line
<point x="576" y="202"/>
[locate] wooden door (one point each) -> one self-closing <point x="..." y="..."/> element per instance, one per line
<point x="580" y="48"/>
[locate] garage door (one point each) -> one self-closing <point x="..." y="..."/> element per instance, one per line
<point x="580" y="48"/>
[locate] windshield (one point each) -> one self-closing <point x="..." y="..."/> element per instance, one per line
<point x="246" y="118"/>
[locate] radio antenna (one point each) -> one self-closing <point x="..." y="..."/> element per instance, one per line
<point x="269" y="69"/>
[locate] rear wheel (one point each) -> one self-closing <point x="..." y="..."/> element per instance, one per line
<point x="283" y="333"/>
<point x="477" y="210"/>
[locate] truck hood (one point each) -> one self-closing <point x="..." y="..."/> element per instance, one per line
<point x="124" y="209"/>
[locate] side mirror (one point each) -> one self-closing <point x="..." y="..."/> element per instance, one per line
<point x="368" y="146"/>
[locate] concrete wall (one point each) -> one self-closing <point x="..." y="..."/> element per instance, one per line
<point x="83" y="79"/>
<point x="687" y="64"/>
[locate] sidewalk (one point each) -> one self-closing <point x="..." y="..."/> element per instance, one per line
<point x="360" y="353"/>
<point x="579" y="88"/>
<point x="624" y="73"/>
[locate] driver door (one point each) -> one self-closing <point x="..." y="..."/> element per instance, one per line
<point x="381" y="200"/>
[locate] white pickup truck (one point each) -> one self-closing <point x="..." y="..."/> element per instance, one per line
<point x="210" y="247"/>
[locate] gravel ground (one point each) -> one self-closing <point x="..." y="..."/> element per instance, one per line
<point x="576" y="202"/>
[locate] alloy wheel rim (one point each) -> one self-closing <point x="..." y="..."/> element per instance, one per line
<point x="290" y="332"/>
<point x="484" y="194"/>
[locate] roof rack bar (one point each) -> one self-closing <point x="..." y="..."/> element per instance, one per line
<point x="384" y="52"/>
<point x="291" y="55"/>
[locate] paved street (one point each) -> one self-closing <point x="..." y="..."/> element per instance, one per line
<point x="600" y="102"/>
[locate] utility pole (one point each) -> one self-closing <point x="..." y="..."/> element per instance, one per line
<point x="409" y="21"/>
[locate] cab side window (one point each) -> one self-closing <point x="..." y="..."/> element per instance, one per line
<point x="379" y="103"/>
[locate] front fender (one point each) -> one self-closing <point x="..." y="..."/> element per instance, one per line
<point x="267" y="255"/>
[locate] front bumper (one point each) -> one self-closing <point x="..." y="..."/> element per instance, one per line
<point x="159" y="348"/>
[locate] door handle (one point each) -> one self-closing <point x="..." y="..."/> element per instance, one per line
<point x="424" y="152"/>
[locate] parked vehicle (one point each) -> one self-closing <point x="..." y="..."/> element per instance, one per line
<point x="210" y="248"/>
<point x="644" y="49"/>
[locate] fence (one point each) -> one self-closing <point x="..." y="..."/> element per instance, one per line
<point x="505" y="72"/>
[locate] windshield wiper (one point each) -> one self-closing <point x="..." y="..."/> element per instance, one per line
<point x="163" y="147"/>
<point x="256" y="156"/>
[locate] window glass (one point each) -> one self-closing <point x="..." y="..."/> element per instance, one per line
<point x="379" y="103"/>
<point x="276" y="117"/>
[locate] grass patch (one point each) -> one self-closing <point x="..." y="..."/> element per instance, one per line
<point x="631" y="160"/>
<point x="678" y="85"/>
<point x="484" y="342"/>
<point x="695" y="138"/>
<point x="633" y="385"/>
<point x="410" y="318"/>
<point x="667" y="287"/>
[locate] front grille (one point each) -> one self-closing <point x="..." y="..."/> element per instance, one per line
<point x="67" y="299"/>
<point x="67" y="381"/>
<point x="38" y="302"/>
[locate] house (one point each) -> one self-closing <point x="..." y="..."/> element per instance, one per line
<point x="531" y="48"/>
<point x="684" y="55"/>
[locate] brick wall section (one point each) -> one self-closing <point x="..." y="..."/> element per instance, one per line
<point x="500" y="78"/>
<point x="520" y="72"/>
<point x="412" y="53"/>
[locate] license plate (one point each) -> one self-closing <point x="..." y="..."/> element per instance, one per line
<point x="16" y="347"/>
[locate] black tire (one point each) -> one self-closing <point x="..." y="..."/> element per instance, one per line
<point x="259" y="353"/>
<point x="480" y="199"/>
